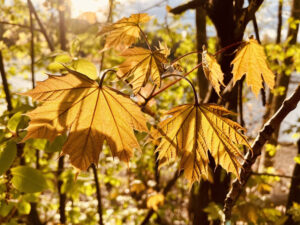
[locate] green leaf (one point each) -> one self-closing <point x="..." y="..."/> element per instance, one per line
<point x="58" y="61"/>
<point x="24" y="208"/>
<point x="56" y="145"/>
<point x="37" y="143"/>
<point x="18" y="120"/>
<point x="63" y="58"/>
<point x="8" y="153"/>
<point x="86" y="67"/>
<point x="5" y="208"/>
<point x="27" y="179"/>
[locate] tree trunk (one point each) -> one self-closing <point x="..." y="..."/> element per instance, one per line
<point x="294" y="195"/>
<point x="201" y="40"/>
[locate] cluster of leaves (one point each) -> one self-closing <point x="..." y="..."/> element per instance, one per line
<point x="92" y="113"/>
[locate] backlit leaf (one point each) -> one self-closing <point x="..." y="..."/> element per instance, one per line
<point x="85" y="67"/>
<point x="155" y="200"/>
<point x="251" y="61"/>
<point x="90" y="113"/>
<point x="193" y="130"/>
<point x="27" y="179"/>
<point x="212" y="71"/>
<point x="8" y="152"/>
<point x="140" y="65"/>
<point x="125" y="32"/>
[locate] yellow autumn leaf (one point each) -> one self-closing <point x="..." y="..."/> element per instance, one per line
<point x="191" y="130"/>
<point x="140" y="65"/>
<point x="251" y="61"/>
<point x="155" y="200"/>
<point x="125" y="32"/>
<point x="90" y="113"/>
<point x="164" y="49"/>
<point x="212" y="71"/>
<point x="137" y="187"/>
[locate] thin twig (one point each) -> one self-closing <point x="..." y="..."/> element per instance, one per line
<point x="18" y="25"/>
<point x="62" y="196"/>
<point x="153" y="6"/>
<point x="98" y="193"/>
<point x="275" y="175"/>
<point x="108" y="20"/>
<point x="174" y="82"/>
<point x="5" y="84"/>
<point x="32" y="58"/>
<point x="264" y="135"/>
<point x="44" y="32"/>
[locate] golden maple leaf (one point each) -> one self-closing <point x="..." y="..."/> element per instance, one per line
<point x="212" y="71"/>
<point x="90" y="113"/>
<point x="124" y="32"/>
<point x="191" y="131"/>
<point x="142" y="64"/>
<point x="251" y="60"/>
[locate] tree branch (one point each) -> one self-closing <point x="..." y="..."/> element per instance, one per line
<point x="279" y="25"/>
<point x="251" y="9"/>
<point x="5" y="84"/>
<point x="182" y="8"/>
<point x="263" y="136"/>
<point x="44" y="32"/>
<point x="18" y="25"/>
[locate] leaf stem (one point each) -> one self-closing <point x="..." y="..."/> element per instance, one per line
<point x="183" y="77"/>
<point x="145" y="37"/>
<point x="189" y="53"/>
<point x="174" y="82"/>
<point x="103" y="76"/>
<point x="196" y="67"/>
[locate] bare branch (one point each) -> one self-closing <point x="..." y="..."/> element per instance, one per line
<point x="263" y="136"/>
<point x="18" y="25"/>
<point x="182" y="8"/>
<point x="44" y="32"/>
<point x="251" y="9"/>
<point x="5" y="84"/>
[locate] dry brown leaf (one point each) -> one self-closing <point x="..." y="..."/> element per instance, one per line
<point x="251" y="61"/>
<point x="140" y="65"/>
<point x="125" y="32"/>
<point x="91" y="114"/>
<point x="193" y="130"/>
<point x="212" y="71"/>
